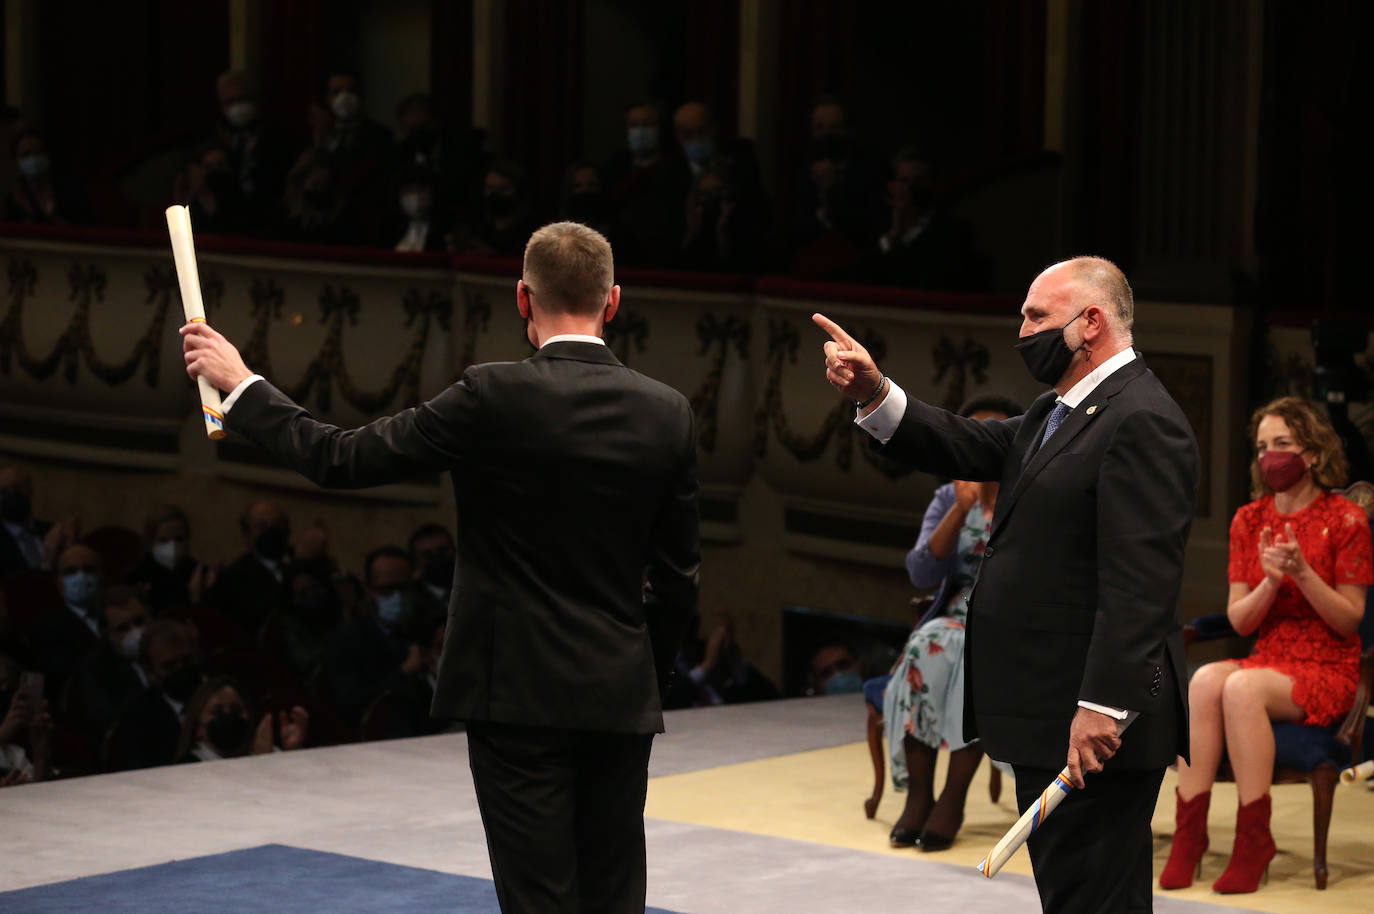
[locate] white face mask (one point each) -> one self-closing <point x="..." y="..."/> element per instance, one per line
<point x="345" y="105"/>
<point x="33" y="166"/>
<point x="167" y="553"/>
<point x="416" y="204"/>
<point x="240" y="113"/>
<point x="128" y="645"/>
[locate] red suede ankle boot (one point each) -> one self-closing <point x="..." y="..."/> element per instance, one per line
<point x="1253" y="850"/>
<point x="1190" y="841"/>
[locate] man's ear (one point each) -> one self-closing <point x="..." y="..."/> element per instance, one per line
<point x="522" y="299"/>
<point x="612" y="304"/>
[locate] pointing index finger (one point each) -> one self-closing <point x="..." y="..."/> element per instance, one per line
<point x="835" y="330"/>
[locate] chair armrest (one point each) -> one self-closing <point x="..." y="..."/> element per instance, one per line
<point x="1351" y="732"/>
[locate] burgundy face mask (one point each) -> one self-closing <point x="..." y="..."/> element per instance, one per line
<point x="1282" y="469"/>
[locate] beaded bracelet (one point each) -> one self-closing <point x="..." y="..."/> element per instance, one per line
<point x="877" y="392"/>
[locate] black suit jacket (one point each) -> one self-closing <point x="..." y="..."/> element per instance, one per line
<point x="1077" y="595"/>
<point x="575" y="479"/>
<point x="11" y="557"/>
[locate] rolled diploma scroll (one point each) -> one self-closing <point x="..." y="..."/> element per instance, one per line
<point x="1361" y="772"/>
<point x="184" y="253"/>
<point x="1031" y="819"/>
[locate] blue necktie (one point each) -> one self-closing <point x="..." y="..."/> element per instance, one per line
<point x="1061" y="409"/>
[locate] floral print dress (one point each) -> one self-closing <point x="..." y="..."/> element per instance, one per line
<point x="925" y="697"/>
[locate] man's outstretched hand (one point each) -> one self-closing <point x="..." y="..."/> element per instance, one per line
<point x="210" y="356"/>
<point x="848" y="366"/>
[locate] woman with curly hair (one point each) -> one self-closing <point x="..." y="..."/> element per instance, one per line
<point x="1299" y="568"/>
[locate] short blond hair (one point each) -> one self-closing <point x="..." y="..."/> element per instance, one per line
<point x="1106" y="278"/>
<point x="569" y="268"/>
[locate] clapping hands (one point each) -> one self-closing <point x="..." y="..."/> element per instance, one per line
<point x="1281" y="556"/>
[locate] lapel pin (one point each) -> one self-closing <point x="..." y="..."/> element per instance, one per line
<point x="1092" y="409"/>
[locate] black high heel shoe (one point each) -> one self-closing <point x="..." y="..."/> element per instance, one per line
<point x="904" y="837"/>
<point x="929" y="841"/>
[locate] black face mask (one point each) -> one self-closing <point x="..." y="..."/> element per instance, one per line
<point x="220" y="182"/>
<point x="15" y="506"/>
<point x="272" y="543"/>
<point x="315" y="608"/>
<point x="180" y="684"/>
<point x="226" y="732"/>
<point x="499" y="206"/>
<point x="439" y="571"/>
<point x="586" y="207"/>
<point x="1046" y="354"/>
<point x="6" y="696"/>
<point x="319" y="199"/>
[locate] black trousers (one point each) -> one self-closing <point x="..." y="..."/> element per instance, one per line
<point x="564" y="816"/>
<point x="1094" y="854"/>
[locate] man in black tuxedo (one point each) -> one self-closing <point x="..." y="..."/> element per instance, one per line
<point x="575" y="479"/>
<point x="1073" y="626"/>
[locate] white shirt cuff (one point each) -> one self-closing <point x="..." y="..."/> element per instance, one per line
<point x="228" y="402"/>
<point x="1116" y="713"/>
<point x="882" y="422"/>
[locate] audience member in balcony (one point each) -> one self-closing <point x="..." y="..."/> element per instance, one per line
<point x="923" y="704"/>
<point x="921" y="246"/>
<point x="504" y="223"/>
<point x="834" y="205"/>
<point x="372" y="652"/>
<point x="168" y="577"/>
<point x="40" y="194"/>
<point x="456" y="156"/>
<point x="1300" y="566"/>
<point x="111" y="676"/>
<point x="417" y="223"/>
<point x="714" y="671"/>
<point x="251" y="587"/>
<point x="27" y="543"/>
<point x="646" y="183"/>
<point x="145" y="734"/>
<point x="584" y="200"/>
<point x="698" y="136"/>
<point x="60" y="640"/>
<point x="433" y="556"/>
<point x="259" y="155"/>
<point x="218" y="724"/>
<point x="210" y="191"/>
<point x="357" y="148"/>
<point x="303" y="630"/>
<point x="723" y="231"/>
<point x="314" y="204"/>
<point x="25" y="730"/>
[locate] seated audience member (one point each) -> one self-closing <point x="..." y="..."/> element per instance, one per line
<point x="167" y="577"/>
<point x="357" y="149"/>
<point x="25" y="730"/>
<point x="646" y="183"/>
<point x="60" y="640"/>
<point x="26" y="543"/>
<point x="834" y="670"/>
<point x="217" y="724"/>
<point x="250" y="588"/>
<point x="258" y="153"/>
<point x="833" y="207"/>
<point x="408" y="697"/>
<point x="723" y="234"/>
<point x="314" y="204"/>
<point x="111" y="676"/>
<point x="922" y="246"/>
<point x="1300" y="566"/>
<point x="714" y="671"/>
<point x="923" y="705"/>
<point x="698" y="136"/>
<point x="210" y="190"/>
<point x="370" y="653"/>
<point x="416" y="224"/>
<point x="39" y="195"/>
<point x="433" y="555"/>
<point x="146" y="732"/>
<point x="456" y="156"/>
<point x="584" y="200"/>
<point x="313" y="614"/>
<point x="503" y="224"/>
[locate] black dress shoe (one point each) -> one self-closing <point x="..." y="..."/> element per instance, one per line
<point x="904" y="837"/>
<point x="929" y="841"/>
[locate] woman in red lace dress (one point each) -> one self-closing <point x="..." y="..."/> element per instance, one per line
<point x="1299" y="567"/>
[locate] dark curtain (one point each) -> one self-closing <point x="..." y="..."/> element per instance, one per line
<point x="450" y="60"/>
<point x="713" y="59"/>
<point x="292" y="67"/>
<point x="542" y="91"/>
<point x="816" y="43"/>
<point x="1013" y="102"/>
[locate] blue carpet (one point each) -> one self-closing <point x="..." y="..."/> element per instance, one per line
<point x="273" y="877"/>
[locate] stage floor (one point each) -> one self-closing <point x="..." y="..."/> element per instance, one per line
<point x="751" y="808"/>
